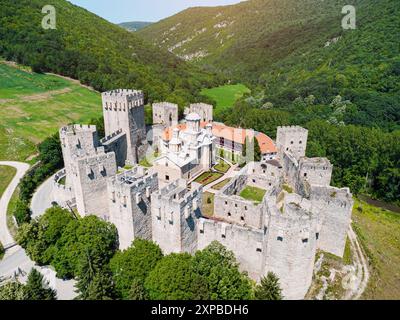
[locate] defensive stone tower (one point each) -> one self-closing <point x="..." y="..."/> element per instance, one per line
<point x="89" y="175"/>
<point x="76" y="140"/>
<point x="292" y="139"/>
<point x="124" y="111"/>
<point x="291" y="243"/>
<point x="335" y="206"/>
<point x="316" y="171"/>
<point x="129" y="202"/>
<point x="205" y="111"/>
<point x="165" y="113"/>
<point x="175" y="211"/>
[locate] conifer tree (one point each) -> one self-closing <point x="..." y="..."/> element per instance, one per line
<point x="269" y="288"/>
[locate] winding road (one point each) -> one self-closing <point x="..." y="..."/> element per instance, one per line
<point x="15" y="259"/>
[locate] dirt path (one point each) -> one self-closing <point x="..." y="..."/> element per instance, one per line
<point x="357" y="279"/>
<point x="38" y="96"/>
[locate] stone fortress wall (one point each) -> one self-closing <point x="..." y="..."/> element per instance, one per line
<point x="175" y="212"/>
<point x="205" y="111"/>
<point x="90" y="174"/>
<point x="165" y="113"/>
<point x="124" y="110"/>
<point x="129" y="196"/>
<point x="299" y="213"/>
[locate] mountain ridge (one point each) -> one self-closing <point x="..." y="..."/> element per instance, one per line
<point x="134" y="25"/>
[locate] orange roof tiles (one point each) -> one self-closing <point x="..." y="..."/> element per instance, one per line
<point x="237" y="135"/>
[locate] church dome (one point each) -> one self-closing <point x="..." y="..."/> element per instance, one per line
<point x="193" y="117"/>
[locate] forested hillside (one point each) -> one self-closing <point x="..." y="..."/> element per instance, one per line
<point x="304" y="69"/>
<point x="296" y="48"/>
<point x="101" y="54"/>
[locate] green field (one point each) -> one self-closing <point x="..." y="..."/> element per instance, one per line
<point x="34" y="106"/>
<point x="252" y="193"/>
<point x="225" y="96"/>
<point x="6" y="175"/>
<point x="378" y="231"/>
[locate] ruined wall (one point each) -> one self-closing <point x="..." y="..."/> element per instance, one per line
<point x="264" y="175"/>
<point x="246" y="243"/>
<point x="61" y="193"/>
<point x="316" y="171"/>
<point x="335" y="207"/>
<point x="165" y="113"/>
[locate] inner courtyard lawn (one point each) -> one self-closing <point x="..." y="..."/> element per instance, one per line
<point x="253" y="193"/>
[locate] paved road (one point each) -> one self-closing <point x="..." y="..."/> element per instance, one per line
<point x="42" y="198"/>
<point x="16" y="257"/>
<point x="22" y="168"/>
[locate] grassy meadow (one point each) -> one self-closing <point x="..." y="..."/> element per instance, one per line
<point x="225" y="96"/>
<point x="34" y="106"/>
<point x="378" y="231"/>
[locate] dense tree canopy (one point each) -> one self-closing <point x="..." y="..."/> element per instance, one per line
<point x="37" y="288"/>
<point x="95" y="51"/>
<point x="269" y="288"/>
<point x="133" y="265"/>
<point x="12" y="291"/>
<point x="39" y="238"/>
<point x="221" y="271"/>
<point x="175" y="279"/>
<point x="88" y="239"/>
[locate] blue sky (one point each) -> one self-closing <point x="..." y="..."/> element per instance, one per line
<point x="142" y="10"/>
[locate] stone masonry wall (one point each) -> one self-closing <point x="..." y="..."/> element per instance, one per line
<point x="129" y="195"/>
<point x="335" y="207"/>
<point x="90" y="182"/>
<point x="246" y="243"/>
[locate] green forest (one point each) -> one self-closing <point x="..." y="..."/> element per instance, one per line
<point x="304" y="69"/>
<point x="98" y="53"/>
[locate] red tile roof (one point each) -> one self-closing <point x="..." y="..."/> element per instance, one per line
<point x="237" y="135"/>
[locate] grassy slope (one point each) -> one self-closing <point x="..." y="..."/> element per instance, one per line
<point x="34" y="106"/>
<point x="230" y="35"/>
<point x="379" y="233"/>
<point x="6" y="175"/>
<point x="225" y="96"/>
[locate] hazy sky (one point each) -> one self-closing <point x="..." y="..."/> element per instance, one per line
<point x="142" y="10"/>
